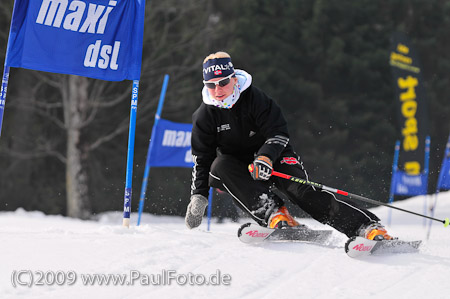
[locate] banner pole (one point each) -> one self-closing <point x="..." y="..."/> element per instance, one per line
<point x="3" y="91"/>
<point x="130" y="155"/>
<point x="425" y="172"/>
<point x="393" y="183"/>
<point x="209" y="213"/>
<point x="150" y="147"/>
<point x="438" y="185"/>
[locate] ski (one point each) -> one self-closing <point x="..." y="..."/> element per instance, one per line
<point x="253" y="233"/>
<point x="357" y="247"/>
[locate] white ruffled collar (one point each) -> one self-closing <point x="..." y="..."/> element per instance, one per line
<point x="244" y="82"/>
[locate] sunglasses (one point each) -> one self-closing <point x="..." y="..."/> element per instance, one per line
<point x="222" y="82"/>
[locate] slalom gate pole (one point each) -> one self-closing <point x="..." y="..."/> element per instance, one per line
<point x="393" y="182"/>
<point x="130" y="155"/>
<point x="319" y="186"/>
<point x="210" y="198"/>
<point x="438" y="185"/>
<point x="432" y="214"/>
<point x="4" y="88"/>
<point x="425" y="172"/>
<point x="162" y="96"/>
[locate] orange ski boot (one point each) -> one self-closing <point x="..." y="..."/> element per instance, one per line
<point x="374" y="231"/>
<point x="282" y="219"/>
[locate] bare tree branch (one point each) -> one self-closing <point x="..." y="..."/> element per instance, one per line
<point x="50" y="79"/>
<point x="41" y="151"/>
<point x="120" y="129"/>
<point x="118" y="99"/>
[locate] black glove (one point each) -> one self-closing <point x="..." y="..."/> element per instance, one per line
<point x="262" y="168"/>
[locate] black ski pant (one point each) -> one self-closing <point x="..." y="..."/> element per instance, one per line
<point x="230" y="174"/>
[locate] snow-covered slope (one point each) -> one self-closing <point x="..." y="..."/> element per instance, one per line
<point x="33" y="244"/>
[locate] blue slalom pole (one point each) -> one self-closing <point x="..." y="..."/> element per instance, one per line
<point x="210" y="207"/>
<point x="425" y="173"/>
<point x="393" y="183"/>
<point x="150" y="147"/>
<point x="3" y="91"/>
<point x="130" y="154"/>
<point x="438" y="186"/>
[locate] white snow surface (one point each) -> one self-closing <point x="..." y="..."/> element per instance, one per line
<point x="32" y="243"/>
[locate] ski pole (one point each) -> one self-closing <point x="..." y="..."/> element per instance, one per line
<point x="319" y="186"/>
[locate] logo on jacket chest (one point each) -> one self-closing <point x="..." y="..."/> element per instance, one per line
<point x="289" y="160"/>
<point x="224" y="127"/>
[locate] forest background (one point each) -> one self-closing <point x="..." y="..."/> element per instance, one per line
<point x="326" y="63"/>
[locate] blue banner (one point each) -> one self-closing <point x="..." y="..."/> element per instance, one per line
<point x="409" y="185"/>
<point x="444" y="174"/>
<point x="93" y="38"/>
<point x="444" y="182"/>
<point x="171" y="145"/>
<point x="403" y="183"/>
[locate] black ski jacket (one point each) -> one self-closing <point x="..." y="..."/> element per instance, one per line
<point x="254" y="125"/>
